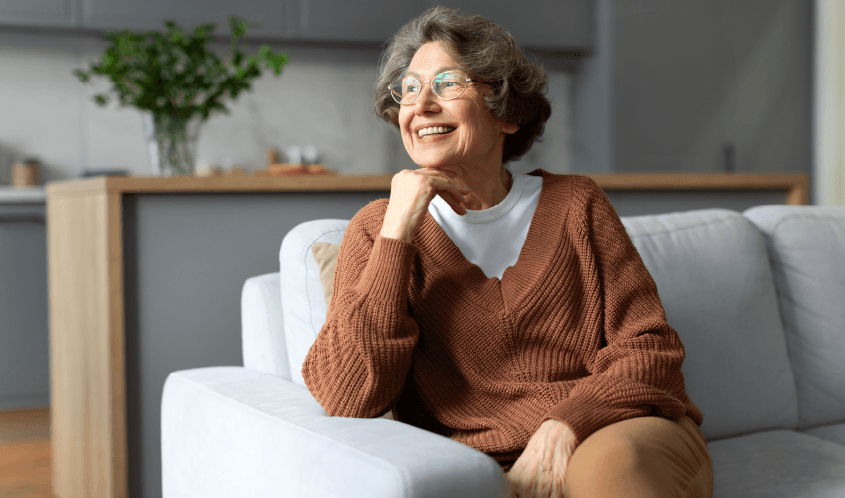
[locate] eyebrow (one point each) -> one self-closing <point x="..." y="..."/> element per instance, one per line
<point x="442" y="69"/>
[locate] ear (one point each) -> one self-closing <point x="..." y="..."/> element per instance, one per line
<point x="509" y="128"/>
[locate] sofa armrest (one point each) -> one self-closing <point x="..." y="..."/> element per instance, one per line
<point x="262" y="326"/>
<point x="231" y="431"/>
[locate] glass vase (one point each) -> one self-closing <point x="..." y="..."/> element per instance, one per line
<point x="172" y="142"/>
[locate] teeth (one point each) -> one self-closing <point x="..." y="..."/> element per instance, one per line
<point x="433" y="130"/>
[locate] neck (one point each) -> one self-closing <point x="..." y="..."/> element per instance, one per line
<point x="500" y="189"/>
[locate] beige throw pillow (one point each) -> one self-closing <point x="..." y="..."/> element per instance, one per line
<point x="325" y="255"/>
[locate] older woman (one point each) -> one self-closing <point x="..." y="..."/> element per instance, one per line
<point x="509" y="312"/>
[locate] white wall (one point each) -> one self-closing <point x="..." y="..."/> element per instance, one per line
<point x="324" y="98"/>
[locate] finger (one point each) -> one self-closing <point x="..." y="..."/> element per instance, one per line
<point x="449" y="178"/>
<point x="448" y="184"/>
<point x="452" y="194"/>
<point x="453" y="203"/>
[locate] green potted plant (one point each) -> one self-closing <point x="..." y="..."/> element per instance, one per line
<point x="178" y="83"/>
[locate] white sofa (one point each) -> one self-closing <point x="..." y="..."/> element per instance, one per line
<point x="758" y="299"/>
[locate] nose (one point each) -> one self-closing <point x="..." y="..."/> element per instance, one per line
<point x="426" y="101"/>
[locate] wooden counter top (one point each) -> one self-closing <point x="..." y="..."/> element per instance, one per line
<point x="794" y="185"/>
<point x="213" y="184"/>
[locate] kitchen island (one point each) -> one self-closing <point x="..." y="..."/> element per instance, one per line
<point x="145" y="275"/>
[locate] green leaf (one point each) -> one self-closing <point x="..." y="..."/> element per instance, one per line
<point x="276" y="62"/>
<point x="238" y="26"/>
<point x="173" y="73"/>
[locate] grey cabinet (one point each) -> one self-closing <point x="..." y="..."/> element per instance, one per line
<point x="551" y="24"/>
<point x="24" y="334"/>
<point x="543" y="24"/>
<point x="370" y="21"/>
<point x="48" y="13"/>
<point x="538" y="24"/>
<point x="702" y="85"/>
<point x="267" y="18"/>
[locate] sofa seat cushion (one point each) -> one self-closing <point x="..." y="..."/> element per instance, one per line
<point x="777" y="463"/>
<point x="834" y="433"/>
<point x="715" y="283"/>
<point x="807" y="252"/>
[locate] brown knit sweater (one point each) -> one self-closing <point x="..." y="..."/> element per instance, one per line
<point x="574" y="331"/>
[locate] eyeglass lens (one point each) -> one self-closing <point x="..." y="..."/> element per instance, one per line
<point x="447" y="86"/>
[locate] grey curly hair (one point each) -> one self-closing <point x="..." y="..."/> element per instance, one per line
<point x="489" y="53"/>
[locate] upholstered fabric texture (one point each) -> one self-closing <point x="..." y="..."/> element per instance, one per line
<point x="262" y="327"/>
<point x="805" y="245"/>
<point x="716" y="286"/>
<point x="777" y="463"/>
<point x="234" y="432"/>
<point x="303" y="296"/>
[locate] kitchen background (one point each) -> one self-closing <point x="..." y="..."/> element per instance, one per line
<point x="651" y="85"/>
<point x="324" y="98"/>
<point x="656" y="86"/>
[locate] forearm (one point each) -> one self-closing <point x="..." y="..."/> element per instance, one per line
<point x="397" y="226"/>
<point x="357" y="365"/>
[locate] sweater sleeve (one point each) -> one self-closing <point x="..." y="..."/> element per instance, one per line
<point x="637" y="370"/>
<point x="357" y="365"/>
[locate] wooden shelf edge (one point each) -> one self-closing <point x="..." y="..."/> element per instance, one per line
<point x="795" y="185"/>
<point x="699" y="181"/>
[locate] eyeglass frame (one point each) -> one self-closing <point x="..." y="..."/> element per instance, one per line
<point x="431" y="84"/>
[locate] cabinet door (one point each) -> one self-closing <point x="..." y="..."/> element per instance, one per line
<point x="61" y="13"/>
<point x="265" y="17"/>
<point x="539" y="24"/>
<point x="24" y="335"/>
<point x="712" y="85"/>
<point x="361" y="21"/>
<point x="667" y="86"/>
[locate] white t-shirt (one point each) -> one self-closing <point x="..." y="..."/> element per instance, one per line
<point x="492" y="238"/>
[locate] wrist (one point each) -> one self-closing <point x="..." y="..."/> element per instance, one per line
<point x="396" y="231"/>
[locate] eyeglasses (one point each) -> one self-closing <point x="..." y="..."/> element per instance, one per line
<point x="447" y="86"/>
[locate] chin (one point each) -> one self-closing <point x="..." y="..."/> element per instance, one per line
<point x="432" y="162"/>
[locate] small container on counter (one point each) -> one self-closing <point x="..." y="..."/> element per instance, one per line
<point x="25" y="173"/>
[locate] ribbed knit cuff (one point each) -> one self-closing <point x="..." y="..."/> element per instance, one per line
<point x="584" y="415"/>
<point x="388" y="271"/>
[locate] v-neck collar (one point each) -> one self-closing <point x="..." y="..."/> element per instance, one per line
<point x="532" y="265"/>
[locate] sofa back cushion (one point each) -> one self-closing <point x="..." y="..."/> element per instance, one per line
<point x="715" y="283"/>
<point x="303" y="299"/>
<point x="807" y="251"/>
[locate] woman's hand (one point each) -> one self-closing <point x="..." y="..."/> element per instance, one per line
<point x="411" y="191"/>
<point x="541" y="469"/>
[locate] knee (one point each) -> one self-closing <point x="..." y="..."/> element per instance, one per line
<point x="621" y="456"/>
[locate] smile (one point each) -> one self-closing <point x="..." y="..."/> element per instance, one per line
<point x="435" y="130"/>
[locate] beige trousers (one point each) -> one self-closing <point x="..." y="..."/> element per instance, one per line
<point x="642" y="457"/>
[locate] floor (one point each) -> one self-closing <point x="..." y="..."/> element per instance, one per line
<point x="25" y="454"/>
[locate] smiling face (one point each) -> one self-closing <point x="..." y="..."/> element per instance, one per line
<point x="476" y="137"/>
